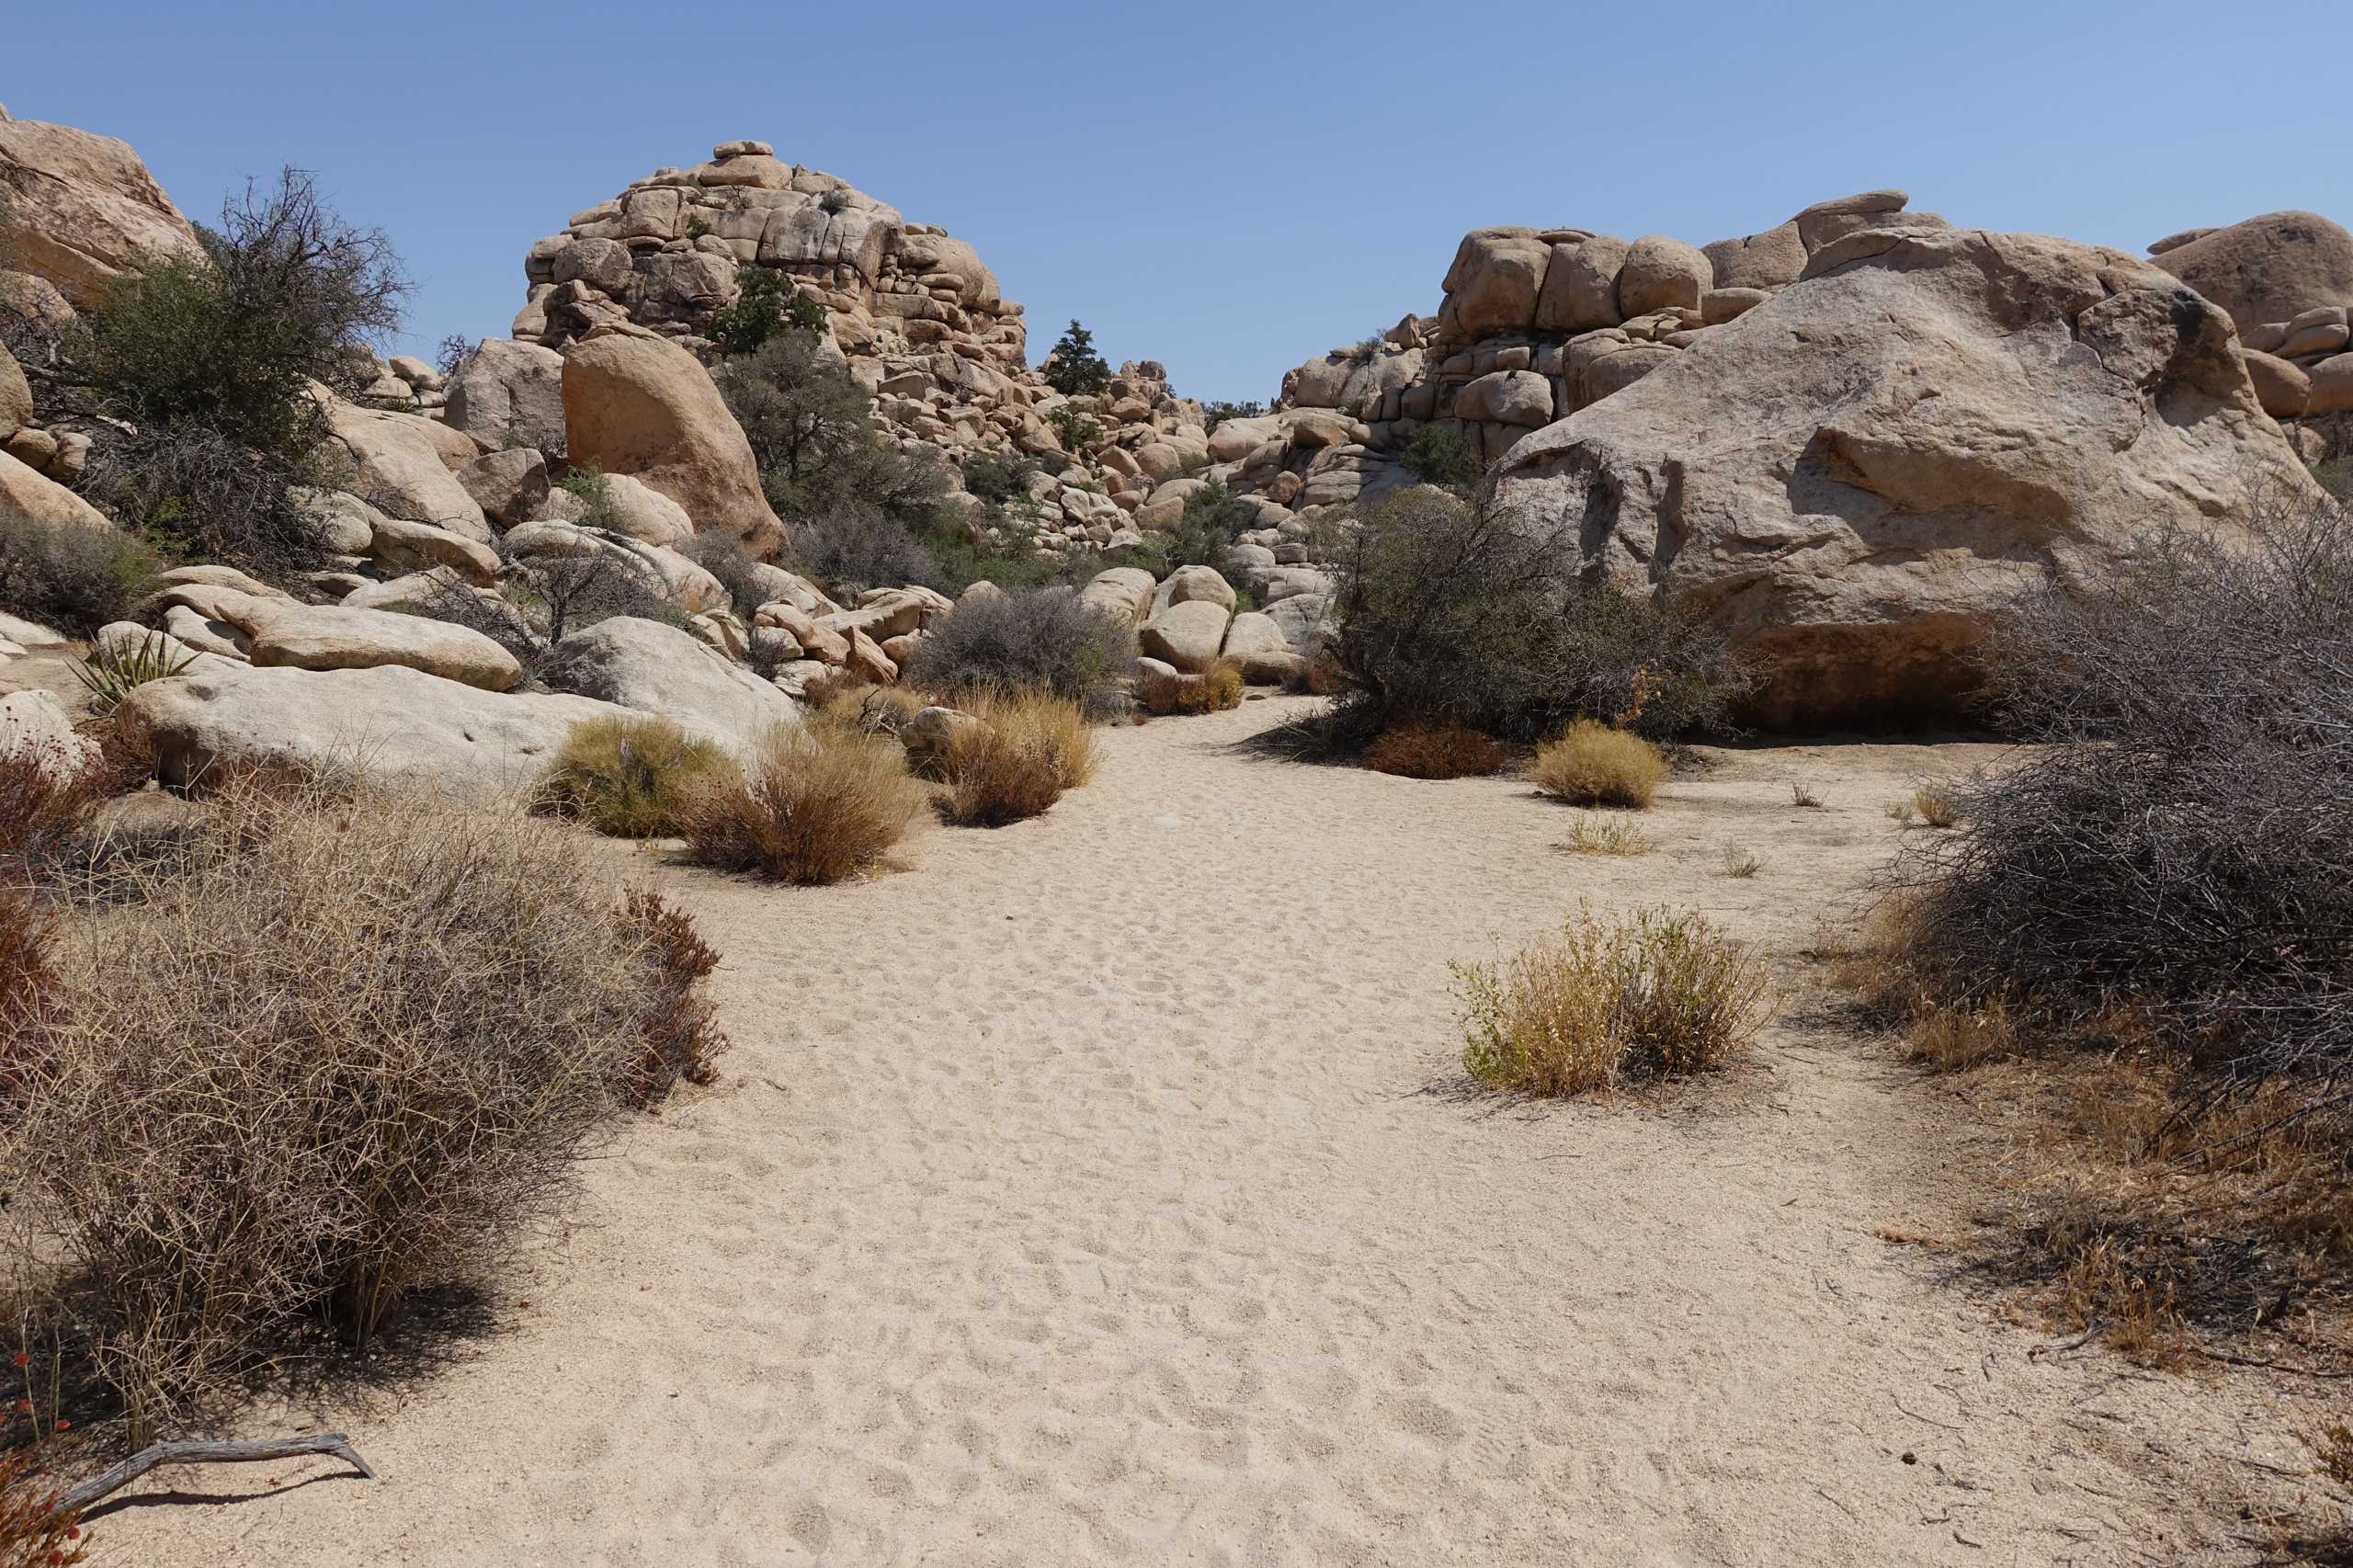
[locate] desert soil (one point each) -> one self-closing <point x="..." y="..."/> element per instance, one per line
<point x="1103" y="1189"/>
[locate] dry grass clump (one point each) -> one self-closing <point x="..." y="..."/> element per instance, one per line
<point x="1593" y="765"/>
<point x="1741" y="863"/>
<point x="1017" y="761"/>
<point x="1660" y="995"/>
<point x="633" y="778"/>
<point x="816" y="805"/>
<point x="872" y="709"/>
<point x="1803" y="798"/>
<point x="1419" y="750"/>
<point x="1213" y="690"/>
<point x="1592" y="836"/>
<point x="337" y="1051"/>
<point x="49" y="802"/>
<point x="1934" y="808"/>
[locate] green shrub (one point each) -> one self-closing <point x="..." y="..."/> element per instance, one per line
<point x="766" y="307"/>
<point x="111" y="674"/>
<point x="1222" y="410"/>
<point x="1437" y="454"/>
<point x="1075" y="430"/>
<point x="1044" y="639"/>
<point x="1659" y="995"/>
<point x="74" y="579"/>
<point x="633" y="778"/>
<point x="1458" y="610"/>
<point x="1074" y="367"/>
<point x="1214" y="517"/>
<point x="999" y="476"/>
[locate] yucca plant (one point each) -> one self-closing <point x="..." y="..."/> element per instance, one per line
<point x="113" y="672"/>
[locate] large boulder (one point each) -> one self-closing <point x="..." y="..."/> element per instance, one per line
<point x="1771" y="260"/>
<point x="653" y="669"/>
<point x="392" y="720"/>
<point x="509" y="394"/>
<point x="27" y="497"/>
<point x="1187" y="635"/>
<point x="1509" y="397"/>
<point x="1662" y="273"/>
<point x="282" y="632"/>
<point x="1493" y="285"/>
<point x="82" y="208"/>
<point x="34" y="724"/>
<point x="1852" y="477"/>
<point x="2270" y="268"/>
<point x="16" y="394"/>
<point x="398" y="464"/>
<point x="642" y="407"/>
<point x="1125" y="592"/>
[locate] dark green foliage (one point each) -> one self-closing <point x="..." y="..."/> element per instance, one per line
<point x="858" y="510"/>
<point x="1074" y="368"/>
<point x="1220" y="410"/>
<point x="2336" y="476"/>
<point x="1214" y="517"/>
<point x="1044" y="640"/>
<point x="999" y="476"/>
<point x="73" y="579"/>
<point x="1456" y="610"/>
<point x="1075" y="429"/>
<point x="768" y="308"/>
<point x="1436" y="455"/>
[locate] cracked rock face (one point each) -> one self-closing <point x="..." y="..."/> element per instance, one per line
<point x="1853" y="476"/>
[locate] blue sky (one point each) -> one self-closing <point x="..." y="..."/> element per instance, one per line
<point x="1226" y="188"/>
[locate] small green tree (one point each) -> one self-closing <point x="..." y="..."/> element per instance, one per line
<point x="1222" y="410"/>
<point x="1075" y="430"/>
<point x="1213" y="518"/>
<point x="1074" y="368"/>
<point x="768" y="307"/>
<point x="1438" y="456"/>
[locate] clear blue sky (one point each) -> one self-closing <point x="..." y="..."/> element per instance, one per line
<point x="1227" y="188"/>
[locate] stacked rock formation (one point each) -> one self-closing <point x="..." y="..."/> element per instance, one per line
<point x="919" y="317"/>
<point x="2287" y="280"/>
<point x="1536" y="324"/>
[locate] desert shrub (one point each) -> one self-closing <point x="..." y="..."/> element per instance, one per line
<point x="816" y="805"/>
<point x="113" y="673"/>
<point x="1740" y="862"/>
<point x="1047" y="640"/>
<point x="48" y="804"/>
<point x="1204" y="535"/>
<point x="724" y="556"/>
<point x="2182" y="836"/>
<point x="1220" y="410"/>
<point x="1593" y="765"/>
<point x="212" y="364"/>
<point x="866" y="709"/>
<point x="73" y="579"/>
<point x="2336" y="476"/>
<point x="1439" y="455"/>
<point x="1073" y="367"/>
<point x="35" y="1532"/>
<point x="1934" y="808"/>
<point x="680" y="1038"/>
<point x="1418" y="750"/>
<point x="28" y="993"/>
<point x="1212" y="690"/>
<point x="1453" y="610"/>
<point x="1660" y="995"/>
<point x="1075" y="430"/>
<point x="1017" y="761"/>
<point x="999" y="476"/>
<point x="766" y="306"/>
<point x="633" y="778"/>
<point x="343" y="1049"/>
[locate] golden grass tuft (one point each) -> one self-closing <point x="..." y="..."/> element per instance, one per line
<point x="816" y="805"/>
<point x="1605" y="836"/>
<point x="1593" y="765"/>
<point x="633" y="778"/>
<point x="1213" y="690"/>
<point x="1934" y="809"/>
<point x="1660" y="995"/>
<point x="872" y="709"/>
<point x="1016" y="762"/>
<point x="1434" y="751"/>
<point x="1740" y="862"/>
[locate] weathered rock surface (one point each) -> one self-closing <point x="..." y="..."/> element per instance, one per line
<point x="472" y="743"/>
<point x="27" y="497"/>
<point x="397" y="463"/>
<point x="282" y="632"/>
<point x="640" y="406"/>
<point x="1187" y="635"/>
<point x="81" y="208"/>
<point x="2269" y="268"/>
<point x="16" y="394"/>
<point x="509" y="394"/>
<point x="653" y="668"/>
<point x="1853" y="476"/>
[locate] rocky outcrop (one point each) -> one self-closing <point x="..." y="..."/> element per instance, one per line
<point x="402" y="464"/>
<point x="508" y="395"/>
<point x="394" y="720"/>
<point x="82" y="209"/>
<point x="653" y="668"/>
<point x="635" y="404"/>
<point x="1853" y="476"/>
<point x="2267" y="270"/>
<point x="26" y="496"/>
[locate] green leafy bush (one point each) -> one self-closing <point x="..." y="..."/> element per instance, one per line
<point x="768" y="307"/>
<point x="1437" y="454"/>
<point x="1214" y="517"/>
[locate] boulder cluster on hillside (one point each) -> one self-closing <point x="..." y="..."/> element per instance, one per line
<point x="1845" y="439"/>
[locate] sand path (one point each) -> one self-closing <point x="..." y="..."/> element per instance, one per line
<point x="1098" y="1191"/>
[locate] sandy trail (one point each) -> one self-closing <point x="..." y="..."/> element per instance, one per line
<point x="1098" y="1191"/>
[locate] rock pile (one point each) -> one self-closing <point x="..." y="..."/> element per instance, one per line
<point x="2286" y="278"/>
<point x="919" y="318"/>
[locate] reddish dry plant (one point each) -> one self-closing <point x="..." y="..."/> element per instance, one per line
<point x="681" y="1026"/>
<point x="34" y="1531"/>
<point x="1434" y="751"/>
<point x="27" y="994"/>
